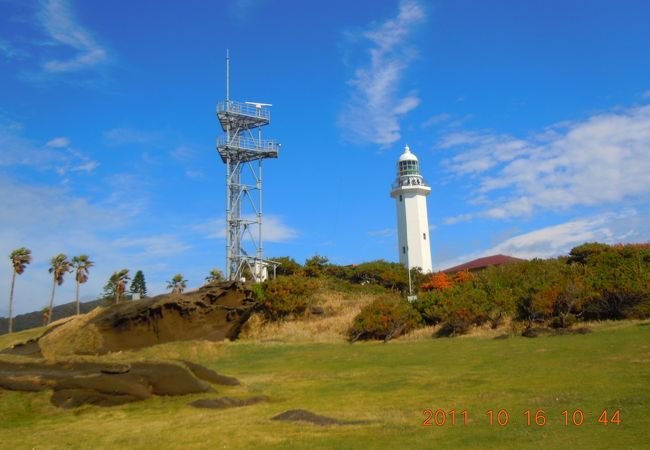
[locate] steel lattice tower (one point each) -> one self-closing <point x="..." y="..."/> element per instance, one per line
<point x="242" y="149"/>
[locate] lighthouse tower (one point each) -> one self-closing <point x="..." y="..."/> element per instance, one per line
<point x="410" y="194"/>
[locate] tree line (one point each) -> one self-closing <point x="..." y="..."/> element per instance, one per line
<point x="113" y="290"/>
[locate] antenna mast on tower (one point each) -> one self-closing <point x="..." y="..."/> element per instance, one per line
<point x="240" y="149"/>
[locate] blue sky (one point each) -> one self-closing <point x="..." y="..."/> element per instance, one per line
<point x="531" y="121"/>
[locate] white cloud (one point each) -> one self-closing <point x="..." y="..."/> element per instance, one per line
<point x="457" y="219"/>
<point x="59" y="142"/>
<point x="273" y="228"/>
<point x="436" y="120"/>
<point x="89" y="167"/>
<point x="383" y="233"/>
<point x="194" y="174"/>
<point x="604" y="159"/>
<point x="555" y="240"/>
<point x="158" y="245"/>
<point x="480" y="152"/>
<point x="183" y="153"/>
<point x="50" y="220"/>
<point x="127" y="136"/>
<point x="58" y="19"/>
<point x="56" y="155"/>
<point x="241" y="9"/>
<point x="11" y="52"/>
<point x="372" y="113"/>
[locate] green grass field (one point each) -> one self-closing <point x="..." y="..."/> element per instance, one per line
<point x="388" y="385"/>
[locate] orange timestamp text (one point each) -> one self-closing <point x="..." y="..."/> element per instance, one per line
<point x="532" y="418"/>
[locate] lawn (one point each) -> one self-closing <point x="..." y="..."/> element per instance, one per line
<point x="387" y="385"/>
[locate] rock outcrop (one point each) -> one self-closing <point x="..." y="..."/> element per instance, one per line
<point x="102" y="384"/>
<point x="214" y="312"/>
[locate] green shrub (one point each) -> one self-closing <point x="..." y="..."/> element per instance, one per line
<point x="564" y="321"/>
<point x="431" y="306"/>
<point x="456" y="322"/>
<point x="385" y="318"/>
<point x="457" y="308"/>
<point x="285" y="297"/>
<point x="315" y="266"/>
<point x="288" y="265"/>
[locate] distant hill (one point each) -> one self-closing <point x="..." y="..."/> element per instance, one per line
<point x="35" y="319"/>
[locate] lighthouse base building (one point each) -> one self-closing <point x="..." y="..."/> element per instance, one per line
<point x="410" y="193"/>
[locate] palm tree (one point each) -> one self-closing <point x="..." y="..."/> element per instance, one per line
<point x="81" y="264"/>
<point x="118" y="281"/>
<point x="177" y="284"/>
<point x="215" y="276"/>
<point x="19" y="260"/>
<point x="59" y="266"/>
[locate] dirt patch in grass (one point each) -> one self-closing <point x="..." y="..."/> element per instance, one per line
<point x="302" y="415"/>
<point x="227" y="402"/>
<point x="540" y="331"/>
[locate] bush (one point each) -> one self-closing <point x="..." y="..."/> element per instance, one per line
<point x="564" y="321"/>
<point x="385" y="318"/>
<point x="537" y="305"/>
<point x="457" y="308"/>
<point x="456" y="323"/>
<point x="285" y="297"/>
<point x="392" y="276"/>
<point x="288" y="265"/>
<point x="437" y="281"/>
<point x="315" y="266"/>
<point x="431" y="305"/>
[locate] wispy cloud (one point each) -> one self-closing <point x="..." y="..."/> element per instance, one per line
<point x="59" y="142"/>
<point x="50" y="220"/>
<point x="89" y="167"/>
<point x="601" y="160"/>
<point x="58" y="20"/>
<point x="56" y="155"/>
<point x="376" y="101"/>
<point x="194" y="174"/>
<point x="240" y="9"/>
<point x="8" y="50"/>
<point x="158" y="245"/>
<point x="555" y="240"/>
<point x="457" y="219"/>
<point x="130" y="136"/>
<point x="436" y="120"/>
<point x="383" y="233"/>
<point x="480" y="152"/>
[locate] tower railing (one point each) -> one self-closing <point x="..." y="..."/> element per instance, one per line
<point x="244" y="109"/>
<point x="239" y="142"/>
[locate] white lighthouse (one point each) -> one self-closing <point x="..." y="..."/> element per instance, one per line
<point x="410" y="194"/>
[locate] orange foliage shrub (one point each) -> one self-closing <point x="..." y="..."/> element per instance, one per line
<point x="437" y="281"/>
<point x="463" y="277"/>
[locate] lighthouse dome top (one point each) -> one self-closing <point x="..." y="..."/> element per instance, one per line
<point x="407" y="155"/>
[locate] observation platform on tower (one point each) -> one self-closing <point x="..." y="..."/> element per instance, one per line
<point x="243" y="116"/>
<point x="246" y="149"/>
<point x="239" y="119"/>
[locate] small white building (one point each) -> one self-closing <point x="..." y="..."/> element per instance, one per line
<point x="410" y="193"/>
